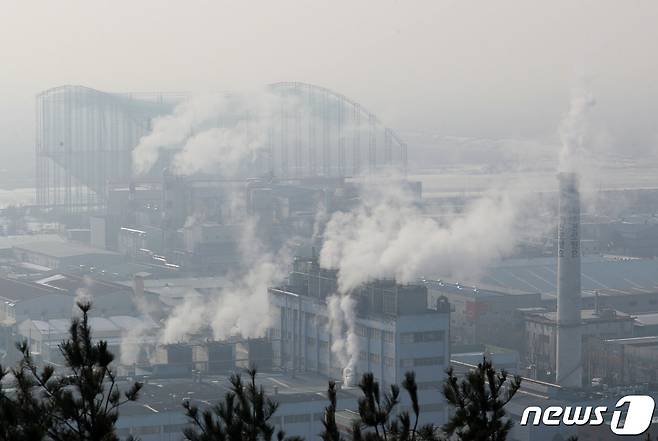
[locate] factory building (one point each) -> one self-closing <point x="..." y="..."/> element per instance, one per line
<point x="63" y="255"/>
<point x="396" y="332"/>
<point x="45" y="336"/>
<point x="199" y="223"/>
<point x="622" y="361"/>
<point x="610" y="275"/>
<point x="481" y="315"/>
<point x="55" y="295"/>
<point x="541" y="333"/>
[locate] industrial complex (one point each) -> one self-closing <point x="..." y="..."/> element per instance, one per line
<point x="195" y="276"/>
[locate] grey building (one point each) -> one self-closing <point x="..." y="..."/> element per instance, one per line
<point x="63" y="255"/>
<point x="395" y="332"/>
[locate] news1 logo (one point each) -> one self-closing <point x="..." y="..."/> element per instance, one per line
<point x="636" y="418"/>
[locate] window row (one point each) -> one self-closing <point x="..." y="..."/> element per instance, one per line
<point x="422" y="337"/>
<point x="407" y="363"/>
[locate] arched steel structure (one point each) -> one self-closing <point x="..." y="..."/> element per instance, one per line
<point x="85" y="138"/>
<point x="323" y="133"/>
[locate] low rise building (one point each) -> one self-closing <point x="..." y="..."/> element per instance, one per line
<point x="622" y="361"/>
<point x="64" y="255"/>
<point x="482" y="315"/>
<point x="541" y="335"/>
<point x="159" y="416"/>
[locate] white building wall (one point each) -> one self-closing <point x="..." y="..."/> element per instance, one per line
<point x="388" y="347"/>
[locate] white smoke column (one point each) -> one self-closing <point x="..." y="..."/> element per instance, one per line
<point x="131" y="343"/>
<point x="573" y="131"/>
<point x="241" y="307"/>
<point x="186" y="319"/>
<point x="348" y="306"/>
<point x="134" y="339"/>
<point x="342" y="327"/>
<point x="83" y="295"/>
<point x="335" y="328"/>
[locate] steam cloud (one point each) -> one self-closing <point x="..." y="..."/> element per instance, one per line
<point x="239" y="308"/>
<point x="214" y="132"/>
<point x="573" y="131"/>
<point x="388" y="235"/>
<point x="228" y="133"/>
<point x="342" y="327"/>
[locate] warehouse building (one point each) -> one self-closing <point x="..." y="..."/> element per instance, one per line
<point x="63" y="255"/>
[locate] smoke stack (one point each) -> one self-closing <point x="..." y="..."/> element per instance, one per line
<point x="138" y="285"/>
<point x="349" y="378"/>
<point x="569" y="343"/>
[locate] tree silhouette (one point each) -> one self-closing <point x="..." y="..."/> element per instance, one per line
<point x="244" y="415"/>
<point x="82" y="405"/>
<point x="377" y="419"/>
<point x="23" y="417"/>
<point x="479" y="401"/>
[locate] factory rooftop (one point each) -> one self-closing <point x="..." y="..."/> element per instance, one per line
<point x="117" y="323"/>
<point x="651" y="340"/>
<point x="18" y="290"/>
<point x="163" y="395"/>
<point x="649" y="319"/>
<point x="479" y="291"/>
<point x="60" y="249"/>
<point x="587" y="315"/>
<point x="9" y="242"/>
<point x="603" y="273"/>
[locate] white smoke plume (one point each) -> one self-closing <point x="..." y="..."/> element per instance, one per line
<point x="186" y="319"/>
<point x="335" y="328"/>
<point x="219" y="148"/>
<point x="342" y="327"/>
<point x="241" y="307"/>
<point x="132" y="341"/>
<point x="232" y="133"/>
<point x="388" y="235"/>
<point x="170" y="131"/>
<point x="83" y="294"/>
<point x="219" y="132"/>
<point x="574" y="131"/>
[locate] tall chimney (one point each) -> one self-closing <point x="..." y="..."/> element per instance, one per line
<point x="569" y="338"/>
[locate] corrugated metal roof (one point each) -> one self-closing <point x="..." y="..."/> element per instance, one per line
<point x="600" y="273"/>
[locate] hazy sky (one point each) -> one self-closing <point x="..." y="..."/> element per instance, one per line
<point x="485" y="69"/>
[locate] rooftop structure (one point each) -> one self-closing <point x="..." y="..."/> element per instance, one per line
<point x="541" y="335"/>
<point x="158" y="414"/>
<point x="481" y="314"/>
<point x="602" y="273"/>
<point x="45" y="336"/>
<point x="64" y="254"/>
